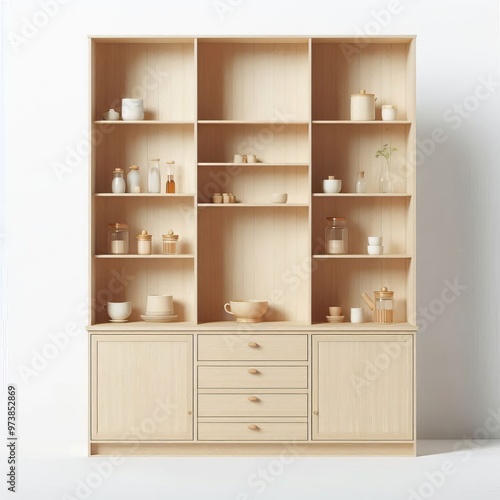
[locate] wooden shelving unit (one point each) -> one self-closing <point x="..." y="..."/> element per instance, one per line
<point x="287" y="100"/>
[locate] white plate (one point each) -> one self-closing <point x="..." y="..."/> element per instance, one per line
<point x="159" y="319"/>
<point x="118" y="320"/>
<point x="335" y="319"/>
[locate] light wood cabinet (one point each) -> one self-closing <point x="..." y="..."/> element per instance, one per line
<point x="287" y="100"/>
<point x="142" y="387"/>
<point x="363" y="387"/>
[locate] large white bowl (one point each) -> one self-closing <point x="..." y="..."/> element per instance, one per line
<point x="247" y="311"/>
<point x="375" y="250"/>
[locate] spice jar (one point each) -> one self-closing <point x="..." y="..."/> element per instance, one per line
<point x="118" y="183"/>
<point x="117" y="238"/>
<point x="154" y="177"/>
<point x="144" y="243"/>
<point x="336" y="235"/>
<point x="169" y="246"/>
<point x="384" y="306"/>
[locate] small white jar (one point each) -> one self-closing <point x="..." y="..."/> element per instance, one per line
<point x="133" y="179"/>
<point x="389" y="112"/>
<point x="118" y="184"/>
<point x="144" y="243"/>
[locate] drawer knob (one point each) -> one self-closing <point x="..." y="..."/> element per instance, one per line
<point x="253" y="427"/>
<point x="253" y="371"/>
<point x="253" y="398"/>
<point x="253" y="344"/>
<point x="315" y="412"/>
<point x="190" y="412"/>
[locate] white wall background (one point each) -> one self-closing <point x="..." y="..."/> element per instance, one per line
<point x="44" y="226"/>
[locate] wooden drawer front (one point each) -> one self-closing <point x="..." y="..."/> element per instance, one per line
<point x="252" y="377"/>
<point x="232" y="347"/>
<point x="252" y="431"/>
<point x="252" y="405"/>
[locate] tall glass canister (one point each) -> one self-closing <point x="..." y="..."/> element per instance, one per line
<point x="336" y="236"/>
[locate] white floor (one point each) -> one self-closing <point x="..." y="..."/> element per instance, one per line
<point x="470" y="473"/>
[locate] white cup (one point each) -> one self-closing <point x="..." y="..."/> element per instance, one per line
<point x="119" y="310"/>
<point x="251" y="159"/>
<point x="238" y="158"/>
<point x="375" y="240"/>
<point x="356" y="315"/>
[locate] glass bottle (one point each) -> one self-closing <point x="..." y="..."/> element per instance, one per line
<point x="133" y="179"/>
<point x="117" y="238"/>
<point x="361" y="183"/>
<point x="336" y="240"/>
<point x="170" y="187"/>
<point x="385" y="182"/>
<point x="154" y="177"/>
<point x="118" y="183"/>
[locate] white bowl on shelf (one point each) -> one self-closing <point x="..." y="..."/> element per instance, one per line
<point x="279" y="197"/>
<point x="375" y="250"/>
<point x="332" y="185"/>
<point x="375" y="240"/>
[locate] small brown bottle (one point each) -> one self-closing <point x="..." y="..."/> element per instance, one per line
<point x="170" y="187"/>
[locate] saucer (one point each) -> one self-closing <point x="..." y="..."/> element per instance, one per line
<point x="159" y="319"/>
<point x="118" y="320"/>
<point x="335" y="319"/>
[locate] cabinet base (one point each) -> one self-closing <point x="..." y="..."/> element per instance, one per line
<point x="407" y="449"/>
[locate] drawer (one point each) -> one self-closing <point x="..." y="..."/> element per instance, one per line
<point x="252" y="405"/>
<point x="252" y="377"/>
<point x="248" y="347"/>
<point x="252" y="431"/>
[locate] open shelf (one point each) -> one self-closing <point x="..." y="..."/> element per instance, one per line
<point x="362" y="195"/>
<point x="144" y="122"/>
<point x="274" y="122"/>
<point x="145" y="195"/>
<point x="253" y="205"/>
<point x="137" y="256"/>
<point x="361" y="122"/>
<point x="361" y="256"/>
<point x="251" y="165"/>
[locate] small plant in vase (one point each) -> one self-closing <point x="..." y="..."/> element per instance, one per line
<point x="385" y="181"/>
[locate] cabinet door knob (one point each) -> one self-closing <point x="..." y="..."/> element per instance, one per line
<point x="190" y="412"/>
<point x="253" y="371"/>
<point x="315" y="412"/>
<point x="253" y="344"/>
<point x="253" y="398"/>
<point x="253" y="427"/>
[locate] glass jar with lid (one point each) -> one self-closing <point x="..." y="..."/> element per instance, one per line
<point x="384" y="306"/>
<point x="336" y="236"/>
<point x="169" y="246"/>
<point x="118" y="183"/>
<point x="118" y="238"/>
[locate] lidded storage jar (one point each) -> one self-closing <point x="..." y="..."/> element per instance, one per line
<point x="117" y="238"/>
<point x="363" y="106"/>
<point x="336" y="235"/>
<point x="144" y="241"/>
<point x="118" y="183"/>
<point x="384" y="306"/>
<point x="169" y="246"/>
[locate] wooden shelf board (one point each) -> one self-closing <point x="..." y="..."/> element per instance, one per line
<point x="137" y="256"/>
<point x="254" y="205"/>
<point x="363" y="195"/>
<point x="258" y="164"/>
<point x="145" y="195"/>
<point x="251" y="122"/>
<point x="276" y="327"/>
<point x="361" y="122"/>
<point x="361" y="256"/>
<point x="145" y="122"/>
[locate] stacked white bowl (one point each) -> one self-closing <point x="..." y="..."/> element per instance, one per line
<point x="375" y="245"/>
<point x="132" y="109"/>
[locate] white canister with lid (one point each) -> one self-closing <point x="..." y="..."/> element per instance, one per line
<point x="144" y="243"/>
<point x="389" y="112"/>
<point x="363" y="106"/>
<point x="133" y="179"/>
<point x="132" y="109"/>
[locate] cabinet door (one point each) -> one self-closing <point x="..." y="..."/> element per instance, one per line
<point x="142" y="387"/>
<point x="362" y="387"/>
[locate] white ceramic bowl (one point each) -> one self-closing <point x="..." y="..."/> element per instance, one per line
<point x="375" y="240"/>
<point x="160" y="304"/>
<point x="375" y="250"/>
<point x="335" y="311"/>
<point x="132" y="109"/>
<point x="279" y="197"/>
<point x="119" y="310"/>
<point x="247" y="311"/>
<point x="332" y="185"/>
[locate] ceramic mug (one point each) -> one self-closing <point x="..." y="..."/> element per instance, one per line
<point x="357" y="315"/>
<point x="159" y="305"/>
